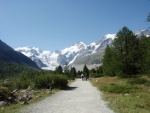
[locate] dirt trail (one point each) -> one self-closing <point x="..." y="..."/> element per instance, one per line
<point x="81" y="97"/>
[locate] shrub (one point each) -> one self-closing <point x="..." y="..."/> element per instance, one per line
<point x="95" y="75"/>
<point x="137" y="81"/>
<point x="23" y="81"/>
<point x="45" y="80"/>
<point x="50" y="80"/>
<point x="117" y="88"/>
<point x="8" y="85"/>
<point x="4" y="94"/>
<point x="22" y="84"/>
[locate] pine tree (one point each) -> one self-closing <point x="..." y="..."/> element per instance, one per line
<point x="79" y="73"/>
<point x="99" y="70"/>
<point x="145" y="54"/>
<point x="66" y="70"/>
<point x="125" y="46"/>
<point x="59" y="70"/>
<point x="108" y="65"/>
<point x="73" y="72"/>
<point x="85" y="71"/>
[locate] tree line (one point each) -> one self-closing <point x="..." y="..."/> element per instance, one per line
<point x="73" y="73"/>
<point x="128" y="55"/>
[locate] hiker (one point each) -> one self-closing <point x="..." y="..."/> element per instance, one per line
<point x="82" y="76"/>
<point x="86" y="77"/>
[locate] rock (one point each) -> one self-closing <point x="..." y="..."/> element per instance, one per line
<point x="15" y="90"/>
<point x="32" y="91"/>
<point x="38" y="96"/>
<point x="29" y="88"/>
<point x="29" y="97"/>
<point x="36" y="91"/>
<point x="48" y="92"/>
<point x="3" y="103"/>
<point x="21" y="99"/>
<point x="126" y="94"/>
<point x="10" y="98"/>
<point x="2" y="108"/>
<point x="24" y="102"/>
<point x="25" y="96"/>
<point x="23" y="91"/>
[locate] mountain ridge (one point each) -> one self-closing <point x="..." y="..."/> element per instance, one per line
<point x="77" y="54"/>
<point x="8" y="54"/>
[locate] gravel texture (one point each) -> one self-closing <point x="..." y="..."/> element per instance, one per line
<point x="81" y="97"/>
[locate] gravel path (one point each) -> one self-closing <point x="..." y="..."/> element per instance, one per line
<point x="81" y="97"/>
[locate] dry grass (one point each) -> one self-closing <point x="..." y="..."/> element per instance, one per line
<point x="137" y="101"/>
<point x="16" y="108"/>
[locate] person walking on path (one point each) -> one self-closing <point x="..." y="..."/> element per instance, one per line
<point x="82" y="76"/>
<point x="86" y="77"/>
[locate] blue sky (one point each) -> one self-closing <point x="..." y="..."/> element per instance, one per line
<point x="57" y="24"/>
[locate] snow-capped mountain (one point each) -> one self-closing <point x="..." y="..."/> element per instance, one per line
<point x="143" y="32"/>
<point x="96" y="51"/>
<point x="48" y="60"/>
<point x="79" y="53"/>
<point x="44" y="59"/>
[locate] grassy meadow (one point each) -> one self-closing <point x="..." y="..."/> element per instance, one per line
<point x="125" y="95"/>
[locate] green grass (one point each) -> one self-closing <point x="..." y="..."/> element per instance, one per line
<point x="118" y="88"/>
<point x="115" y="89"/>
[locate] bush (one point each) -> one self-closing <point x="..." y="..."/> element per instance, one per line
<point x="139" y="81"/>
<point x="23" y="81"/>
<point x="22" y="84"/>
<point x="42" y="80"/>
<point x="50" y="80"/>
<point x="117" y="88"/>
<point x="95" y="75"/>
<point x="4" y="94"/>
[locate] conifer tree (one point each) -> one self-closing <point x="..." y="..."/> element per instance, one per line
<point x="85" y="70"/>
<point x="145" y="54"/>
<point x="66" y="70"/>
<point x="73" y="72"/>
<point x="127" y="57"/>
<point x="108" y="65"/>
<point x="123" y="57"/>
<point x="59" y="70"/>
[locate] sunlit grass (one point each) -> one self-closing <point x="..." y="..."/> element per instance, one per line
<point x="136" y="100"/>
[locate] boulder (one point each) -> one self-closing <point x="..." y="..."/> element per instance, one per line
<point x="15" y="91"/>
<point x="3" y="103"/>
<point x="126" y="94"/>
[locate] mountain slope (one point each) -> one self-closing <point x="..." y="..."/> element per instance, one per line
<point x="7" y="54"/>
<point x="44" y="59"/>
<point x="97" y="53"/>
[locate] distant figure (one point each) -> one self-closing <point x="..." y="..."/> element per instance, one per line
<point x="82" y="76"/>
<point x="86" y="77"/>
